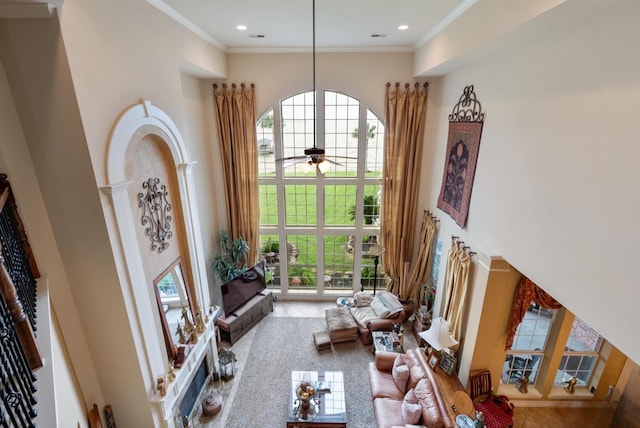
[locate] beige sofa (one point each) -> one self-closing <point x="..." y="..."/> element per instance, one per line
<point x="433" y="390"/>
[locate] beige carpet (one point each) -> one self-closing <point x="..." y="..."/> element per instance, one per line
<point x="281" y="345"/>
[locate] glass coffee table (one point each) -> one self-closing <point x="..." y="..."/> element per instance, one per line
<point x="331" y="410"/>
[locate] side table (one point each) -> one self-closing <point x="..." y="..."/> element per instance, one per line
<point x="387" y="341"/>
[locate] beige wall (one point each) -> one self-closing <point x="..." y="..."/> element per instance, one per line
<point x="56" y="388"/>
<point x="68" y="97"/>
<point x="555" y="187"/>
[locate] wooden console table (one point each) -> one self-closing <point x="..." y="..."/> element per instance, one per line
<point x="233" y="326"/>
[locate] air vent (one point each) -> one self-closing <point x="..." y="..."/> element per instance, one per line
<point x="256" y="36"/>
<point x="378" y="35"/>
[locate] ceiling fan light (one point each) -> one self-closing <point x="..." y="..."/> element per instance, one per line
<point x="323" y="167"/>
<point x="306" y="167"/>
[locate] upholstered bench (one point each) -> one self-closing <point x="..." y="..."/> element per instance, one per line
<point x="322" y="340"/>
<point x="341" y="325"/>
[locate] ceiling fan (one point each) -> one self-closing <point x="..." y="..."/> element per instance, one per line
<point x="313" y="156"/>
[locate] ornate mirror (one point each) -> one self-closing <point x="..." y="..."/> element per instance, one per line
<point x="176" y="308"/>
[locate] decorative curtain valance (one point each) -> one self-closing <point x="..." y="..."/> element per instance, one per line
<point x="405" y="113"/>
<point x="239" y="152"/>
<point x="526" y="292"/>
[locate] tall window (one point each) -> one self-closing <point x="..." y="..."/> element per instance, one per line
<point x="523" y="360"/>
<point x="580" y="354"/>
<point x="316" y="228"/>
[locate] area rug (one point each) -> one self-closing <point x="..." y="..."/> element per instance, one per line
<point x="281" y="345"/>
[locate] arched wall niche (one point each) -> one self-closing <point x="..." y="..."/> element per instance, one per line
<point x="145" y="142"/>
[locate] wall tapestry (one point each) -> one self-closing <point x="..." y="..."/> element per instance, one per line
<point x="463" y="144"/>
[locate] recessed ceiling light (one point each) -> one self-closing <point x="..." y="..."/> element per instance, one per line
<point x="241" y="27"/>
<point x="403" y="27"/>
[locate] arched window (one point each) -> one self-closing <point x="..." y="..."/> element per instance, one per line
<point x="317" y="223"/>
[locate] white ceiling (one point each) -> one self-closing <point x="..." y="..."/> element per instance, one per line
<point x="341" y="25"/>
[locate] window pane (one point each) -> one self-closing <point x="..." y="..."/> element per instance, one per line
<point x="266" y="150"/>
<point x="297" y="132"/>
<point x="583" y="338"/>
<point x="302" y="259"/>
<point x="375" y="145"/>
<point x="268" y="204"/>
<point x="300" y="201"/>
<point x="371" y="205"/>
<point x="339" y="205"/>
<point x="270" y="252"/>
<point x="580" y="354"/>
<point x="341" y="124"/>
<point x="533" y="330"/>
<point x="338" y="263"/>
<point x="528" y="345"/>
<point x="369" y="275"/>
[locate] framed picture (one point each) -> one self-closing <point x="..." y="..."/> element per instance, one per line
<point x="433" y="360"/>
<point x="448" y="363"/>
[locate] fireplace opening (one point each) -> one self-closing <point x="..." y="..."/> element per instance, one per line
<point x="193" y="391"/>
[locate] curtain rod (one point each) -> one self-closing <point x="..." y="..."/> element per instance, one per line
<point x="466" y="248"/>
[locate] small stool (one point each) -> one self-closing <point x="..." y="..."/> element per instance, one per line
<point x="322" y="340"/>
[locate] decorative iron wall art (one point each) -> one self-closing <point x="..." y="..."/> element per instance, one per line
<point x="156" y="215"/>
<point x="463" y="144"/>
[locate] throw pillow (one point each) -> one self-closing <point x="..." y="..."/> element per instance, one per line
<point x="362" y="299"/>
<point x="410" y="396"/>
<point x="386" y="305"/>
<point x="400" y="373"/>
<point x="411" y="409"/>
<point x="399" y="360"/>
<point x="431" y="416"/>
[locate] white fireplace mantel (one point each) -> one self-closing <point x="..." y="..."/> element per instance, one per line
<point x="164" y="406"/>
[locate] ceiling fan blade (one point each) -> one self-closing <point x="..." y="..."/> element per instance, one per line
<point x="333" y="162"/>
<point x="291" y="158"/>
<point x="293" y="161"/>
<point x="341" y="157"/>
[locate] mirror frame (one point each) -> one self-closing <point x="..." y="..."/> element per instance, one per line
<point x="172" y="348"/>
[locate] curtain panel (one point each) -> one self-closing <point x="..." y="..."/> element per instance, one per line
<point x="526" y="292"/>
<point x="456" y="284"/>
<point x="425" y="256"/>
<point x="405" y="112"/>
<point x="239" y="153"/>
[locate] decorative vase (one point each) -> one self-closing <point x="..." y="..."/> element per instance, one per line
<point x="305" y="409"/>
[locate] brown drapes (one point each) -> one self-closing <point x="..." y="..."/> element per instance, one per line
<point x="405" y="112"/>
<point x="423" y="261"/>
<point x="526" y="292"/>
<point x="239" y="151"/>
<point x="455" y="287"/>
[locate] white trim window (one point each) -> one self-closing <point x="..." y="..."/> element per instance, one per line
<point x="580" y="354"/>
<point x="316" y="224"/>
<point x="529" y="343"/>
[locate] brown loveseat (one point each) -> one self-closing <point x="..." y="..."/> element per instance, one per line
<point x="433" y="389"/>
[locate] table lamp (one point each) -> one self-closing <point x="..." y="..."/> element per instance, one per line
<point x="438" y="335"/>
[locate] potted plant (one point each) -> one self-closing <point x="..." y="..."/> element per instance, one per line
<point x="232" y="260"/>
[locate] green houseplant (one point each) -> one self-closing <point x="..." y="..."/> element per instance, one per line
<point x="232" y="260"/>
